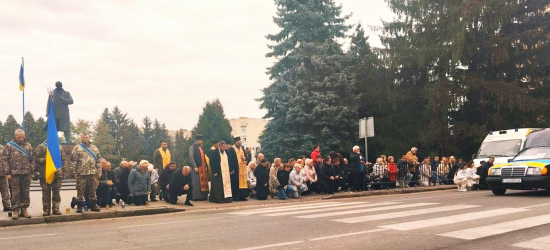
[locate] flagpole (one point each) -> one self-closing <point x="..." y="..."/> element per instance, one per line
<point x="23" y="124"/>
<point x="23" y="110"/>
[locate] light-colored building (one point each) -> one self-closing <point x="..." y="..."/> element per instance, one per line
<point x="186" y="134"/>
<point x="249" y="129"/>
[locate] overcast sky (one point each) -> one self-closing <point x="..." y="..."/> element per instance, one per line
<point x="162" y="59"/>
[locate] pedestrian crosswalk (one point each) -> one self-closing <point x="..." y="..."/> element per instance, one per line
<point x="453" y="219"/>
<point x="369" y="210"/>
<point x="499" y="228"/>
<point x="404" y="214"/>
<point x="417" y="216"/>
<point x="542" y="243"/>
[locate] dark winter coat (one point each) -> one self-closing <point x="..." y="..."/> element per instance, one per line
<point x="165" y="177"/>
<point x="325" y="173"/>
<point x="283" y="177"/>
<point x="178" y="181"/>
<point x="123" y="184"/>
<point x="355" y="162"/>
<point x="262" y="181"/>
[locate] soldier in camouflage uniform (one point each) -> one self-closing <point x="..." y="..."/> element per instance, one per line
<point x="4" y="186"/>
<point x="55" y="186"/>
<point x="88" y="170"/>
<point x="18" y="165"/>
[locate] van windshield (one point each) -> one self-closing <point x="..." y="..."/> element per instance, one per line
<point x="507" y="148"/>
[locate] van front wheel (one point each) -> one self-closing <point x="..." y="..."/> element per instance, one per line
<point x="499" y="191"/>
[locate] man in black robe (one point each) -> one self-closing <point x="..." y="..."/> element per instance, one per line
<point x="219" y="164"/>
<point x="61" y="100"/>
<point x="180" y="184"/>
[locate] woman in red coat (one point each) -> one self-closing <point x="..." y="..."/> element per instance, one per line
<point x="392" y="172"/>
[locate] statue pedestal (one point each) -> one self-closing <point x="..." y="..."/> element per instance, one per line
<point x="68" y="149"/>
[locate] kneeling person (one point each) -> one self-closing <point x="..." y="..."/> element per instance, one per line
<point x="180" y="184"/>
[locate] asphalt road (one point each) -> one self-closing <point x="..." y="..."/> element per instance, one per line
<point x="434" y="220"/>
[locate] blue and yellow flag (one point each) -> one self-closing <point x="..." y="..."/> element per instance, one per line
<point x="22" y="76"/>
<point x="53" y="155"/>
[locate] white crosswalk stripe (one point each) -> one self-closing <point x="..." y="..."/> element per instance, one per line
<point x="499" y="228"/>
<point x="344" y="206"/>
<point x="431" y="210"/>
<point x="289" y="208"/>
<point x="365" y="210"/>
<point x="453" y="219"/>
<point x="542" y="243"/>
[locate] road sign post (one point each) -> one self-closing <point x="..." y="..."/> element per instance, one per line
<point x="366" y="129"/>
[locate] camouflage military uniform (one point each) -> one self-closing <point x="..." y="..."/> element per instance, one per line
<point x="4" y="186"/>
<point x="20" y="167"/>
<point x="87" y="169"/>
<point x="55" y="186"/>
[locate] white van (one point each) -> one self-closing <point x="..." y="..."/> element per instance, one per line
<point x="502" y="145"/>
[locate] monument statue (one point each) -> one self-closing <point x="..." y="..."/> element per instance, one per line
<point x="61" y="100"/>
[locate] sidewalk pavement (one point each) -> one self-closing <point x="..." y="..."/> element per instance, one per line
<point x="160" y="207"/>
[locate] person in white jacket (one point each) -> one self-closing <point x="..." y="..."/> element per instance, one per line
<point x="251" y="178"/>
<point x="155" y="189"/>
<point x="310" y="176"/>
<point x="296" y="184"/>
<point x="462" y="180"/>
<point x="472" y="173"/>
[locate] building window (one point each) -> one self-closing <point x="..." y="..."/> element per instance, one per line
<point x="243" y="130"/>
<point x="244" y="138"/>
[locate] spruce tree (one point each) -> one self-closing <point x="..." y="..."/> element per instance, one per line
<point x="213" y="125"/>
<point x="8" y="129"/>
<point x="34" y="129"/>
<point x="160" y="134"/>
<point x="181" y="148"/>
<point x="130" y="141"/>
<point x="147" y="148"/>
<point x="312" y="99"/>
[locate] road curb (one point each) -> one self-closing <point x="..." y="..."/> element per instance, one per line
<point x="104" y="214"/>
<point x="388" y="192"/>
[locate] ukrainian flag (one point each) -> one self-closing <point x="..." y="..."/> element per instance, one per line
<point x="53" y="155"/>
<point x="21" y="76"/>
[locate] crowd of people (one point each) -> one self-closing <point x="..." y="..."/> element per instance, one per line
<point x="222" y="173"/>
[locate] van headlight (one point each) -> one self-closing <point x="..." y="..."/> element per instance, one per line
<point x="494" y="171"/>
<point x="534" y="171"/>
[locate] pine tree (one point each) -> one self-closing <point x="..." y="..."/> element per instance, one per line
<point x="213" y="125"/>
<point x="104" y="141"/>
<point x="160" y="134"/>
<point x="312" y="99"/>
<point x="181" y="148"/>
<point x="34" y="130"/>
<point x="147" y="148"/>
<point x="130" y="140"/>
<point x="8" y="129"/>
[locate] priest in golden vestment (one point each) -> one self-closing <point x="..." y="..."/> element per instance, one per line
<point x="237" y="166"/>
